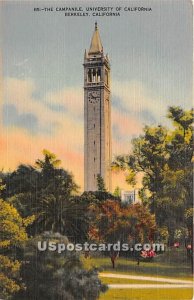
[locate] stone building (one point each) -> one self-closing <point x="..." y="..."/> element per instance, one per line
<point x="97" y="115"/>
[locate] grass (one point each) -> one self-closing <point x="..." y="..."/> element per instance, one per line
<point x="147" y="294"/>
<point x="163" y="266"/>
<point x="129" y="266"/>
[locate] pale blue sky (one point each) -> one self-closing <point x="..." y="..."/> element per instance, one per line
<point x="151" y="47"/>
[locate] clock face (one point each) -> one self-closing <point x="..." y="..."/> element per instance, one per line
<point x="94" y="96"/>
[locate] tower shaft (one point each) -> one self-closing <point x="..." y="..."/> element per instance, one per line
<point x="97" y="116"/>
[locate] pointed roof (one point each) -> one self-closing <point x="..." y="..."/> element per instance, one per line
<point x="96" y="44"/>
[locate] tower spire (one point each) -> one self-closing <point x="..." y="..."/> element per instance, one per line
<point x="96" y="44"/>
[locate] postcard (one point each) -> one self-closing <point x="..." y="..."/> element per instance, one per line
<point x="96" y="150"/>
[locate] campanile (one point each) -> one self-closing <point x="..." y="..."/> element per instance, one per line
<point x="97" y="115"/>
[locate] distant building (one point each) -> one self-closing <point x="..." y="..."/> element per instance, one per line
<point x="130" y="197"/>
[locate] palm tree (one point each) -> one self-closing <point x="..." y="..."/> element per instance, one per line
<point x="64" y="216"/>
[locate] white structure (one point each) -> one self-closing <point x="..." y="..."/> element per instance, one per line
<point x="97" y="115"/>
<point x="130" y="197"/>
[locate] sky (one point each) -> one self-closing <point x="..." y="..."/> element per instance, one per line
<point x="42" y="75"/>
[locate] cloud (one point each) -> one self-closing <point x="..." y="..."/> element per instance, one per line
<point x="56" y="122"/>
<point x="54" y="112"/>
<point x="12" y="118"/>
<point x="17" y="146"/>
<point x="30" y="125"/>
<point x="21" y="63"/>
<point x="133" y="107"/>
<point x="124" y="128"/>
<point x="134" y="99"/>
<point x="70" y="100"/>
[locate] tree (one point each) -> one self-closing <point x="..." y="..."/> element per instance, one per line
<point x="114" y="222"/>
<point x="48" y="164"/>
<point x="100" y="184"/>
<point x="182" y="119"/>
<point x="47" y="191"/>
<point x="117" y="192"/>
<point x="164" y="158"/>
<point x="189" y="240"/>
<point x="46" y="178"/>
<point x="25" y="179"/>
<point x="63" y="215"/>
<point x="180" y="148"/>
<point x="49" y="275"/>
<point x="149" y="157"/>
<point x="55" y="180"/>
<point x="12" y="236"/>
<point x="177" y="192"/>
<point x="57" y="211"/>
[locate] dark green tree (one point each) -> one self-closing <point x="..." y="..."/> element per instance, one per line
<point x="164" y="157"/>
<point x="63" y="215"/>
<point x="100" y="184"/>
<point x="49" y="275"/>
<point x="25" y="179"/>
<point x="48" y="192"/>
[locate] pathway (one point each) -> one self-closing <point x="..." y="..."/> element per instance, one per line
<point x="168" y="282"/>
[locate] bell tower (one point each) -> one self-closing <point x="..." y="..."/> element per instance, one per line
<point x="97" y="115"/>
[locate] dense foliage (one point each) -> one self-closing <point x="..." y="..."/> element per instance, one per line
<point x="164" y="157"/>
<point x="12" y="236"/>
<point x="49" y="275"/>
<point x="113" y="223"/>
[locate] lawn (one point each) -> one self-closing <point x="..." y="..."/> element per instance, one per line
<point x="155" y="268"/>
<point x="147" y="294"/>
